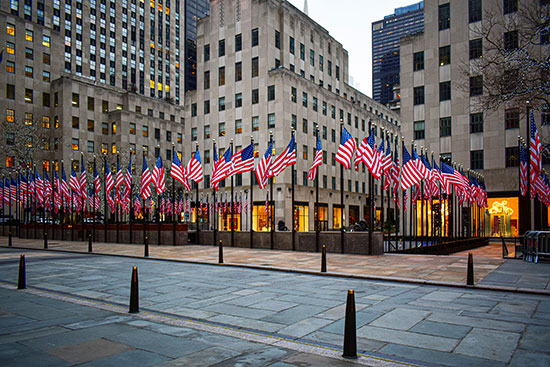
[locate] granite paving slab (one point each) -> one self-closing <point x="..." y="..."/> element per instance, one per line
<point x="495" y="346"/>
<point x="88" y="351"/>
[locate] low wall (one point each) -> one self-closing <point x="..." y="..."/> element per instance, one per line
<point x="126" y="234"/>
<point x="354" y="242"/>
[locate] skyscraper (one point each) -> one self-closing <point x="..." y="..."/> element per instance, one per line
<point x="386" y="34"/>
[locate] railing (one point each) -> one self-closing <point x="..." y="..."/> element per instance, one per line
<point x="431" y="245"/>
<point x="536" y="245"/>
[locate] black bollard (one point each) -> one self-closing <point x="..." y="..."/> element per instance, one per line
<point x="10" y="242"/>
<point x="220" y="256"/>
<point x="350" y="339"/>
<point x="146" y="254"/>
<point x="470" y="274"/>
<point x="22" y="282"/>
<point x="324" y="259"/>
<point x="45" y="240"/>
<point x="89" y="242"/>
<point x="134" y="296"/>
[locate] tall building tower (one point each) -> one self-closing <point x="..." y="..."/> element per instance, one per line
<point x="386" y="34"/>
<point x="442" y="105"/>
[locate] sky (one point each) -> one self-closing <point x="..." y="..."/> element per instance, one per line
<point x="349" y="22"/>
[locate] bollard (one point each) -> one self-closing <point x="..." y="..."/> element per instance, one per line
<point x="22" y="282"/>
<point x="89" y="242"/>
<point x="220" y="256"/>
<point x="470" y="274"/>
<point x="45" y="240"/>
<point x="134" y="297"/>
<point x="350" y="340"/>
<point x="146" y="254"/>
<point x="324" y="259"/>
<point x="10" y="243"/>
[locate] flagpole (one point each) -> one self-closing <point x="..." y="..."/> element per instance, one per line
<point x="35" y="204"/>
<point x="3" y="202"/>
<point x="251" y="200"/>
<point x="422" y="202"/>
<point x="384" y="135"/>
<point x="197" y="203"/>
<point x="131" y="204"/>
<point x="231" y="219"/>
<point x="370" y="179"/>
<point x="173" y="200"/>
<point x="529" y="219"/>
<point x="214" y="234"/>
<point x="272" y="211"/>
<point x="105" y="197"/>
<point x="317" y="229"/>
<point x="341" y="199"/>
<point x="117" y="198"/>
<point x="144" y="207"/>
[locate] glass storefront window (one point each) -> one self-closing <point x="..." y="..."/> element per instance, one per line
<point x="501" y="217"/>
<point x="260" y="218"/>
<point x="337" y="217"/>
<point x="301" y="217"/>
<point x="323" y="217"/>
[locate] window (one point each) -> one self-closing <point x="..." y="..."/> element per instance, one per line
<point x="304" y="126"/>
<point x="29" y="118"/>
<point x="476" y="159"/>
<point x="29" y="53"/>
<point x="28" y="95"/>
<point x="207" y="132"/>
<point x="221" y="75"/>
<point x="10" y="29"/>
<point x="114" y="127"/>
<point x="271" y="93"/>
<point x="10" y="115"/>
<point x="255" y="123"/>
<point x="221" y="128"/>
<point x="179" y="139"/>
<point x="444" y="55"/>
<point x="145" y="131"/>
<point x="510" y="6"/>
<point x="255" y="96"/>
<point x="293" y="94"/>
<point x="304" y="154"/>
<point x="29" y="72"/>
<point x="10" y="67"/>
<point x="474" y="10"/>
<point x="10" y="161"/>
<point x="325" y="108"/>
<point x="476" y="48"/>
<point x="315" y="104"/>
<point x="132" y="128"/>
<point x="105" y="106"/>
<point x="46" y="122"/>
<point x="238" y="42"/>
<point x="291" y="45"/>
<point x="445" y="126"/>
<point x="46" y="76"/>
<point x="271" y="121"/>
<point x="29" y="36"/>
<point x="206" y="52"/>
<point x="206" y="107"/>
<point x="255" y="67"/>
<point x="311" y="57"/>
<point x="304" y="99"/>
<point x="545" y="37"/>
<point x="419" y="130"/>
<point x="255" y="37"/>
<point x="90" y="146"/>
<point x="221" y="104"/>
<point x="418" y="61"/>
<point x="476" y="123"/>
<point x="221" y="48"/>
<point x="76" y="100"/>
<point x="418" y="95"/>
<point x="10" y="48"/>
<point x="476" y="85"/>
<point x="105" y="128"/>
<point x="193" y="109"/>
<point x="238" y="71"/>
<point x="444" y="16"/>
<point x="238" y="126"/>
<point x="324" y="132"/>
<point x="278" y="39"/>
<point x="512" y="157"/>
<point x="511" y="118"/>
<point x="444" y="91"/>
<point x="91" y="102"/>
<point x="238" y="100"/>
<point x="193" y="133"/>
<point x="46" y="59"/>
<point x="511" y="40"/>
<point x="75" y="144"/>
<point x="46" y="41"/>
<point x="207" y="79"/>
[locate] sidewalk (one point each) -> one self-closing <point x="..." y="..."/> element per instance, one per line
<point x="491" y="271"/>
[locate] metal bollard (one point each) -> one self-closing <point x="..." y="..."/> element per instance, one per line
<point x="350" y="337"/>
<point x="146" y="253"/>
<point x="470" y="274"/>
<point x="324" y="259"/>
<point x="45" y="240"/>
<point x="89" y="242"/>
<point x="21" y="281"/>
<point x="10" y="241"/>
<point x="134" y="296"/>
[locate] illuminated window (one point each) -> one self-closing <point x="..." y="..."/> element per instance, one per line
<point x="75" y="144"/>
<point x="113" y="148"/>
<point x="337" y="217"/>
<point x="28" y="118"/>
<point x="46" y="41"/>
<point x="238" y="126"/>
<point x="179" y="138"/>
<point x="46" y="122"/>
<point x="10" y="67"/>
<point x="76" y="100"/>
<point x="28" y="35"/>
<point x="104" y="149"/>
<point x="113" y="128"/>
<point x="119" y="107"/>
<point x="132" y="128"/>
<point x="145" y="131"/>
<point x="10" y="29"/>
<point x="10" y="161"/>
<point x="46" y="76"/>
<point x="28" y="71"/>
<point x="10" y="115"/>
<point x="10" y="48"/>
<point x="255" y="123"/>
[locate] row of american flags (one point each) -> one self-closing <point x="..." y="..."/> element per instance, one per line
<point x="532" y="176"/>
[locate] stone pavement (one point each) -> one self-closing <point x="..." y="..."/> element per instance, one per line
<point x="402" y="322"/>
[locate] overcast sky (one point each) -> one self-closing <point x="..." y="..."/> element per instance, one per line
<point x="349" y="22"/>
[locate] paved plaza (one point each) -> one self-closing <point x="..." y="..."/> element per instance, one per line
<point x="75" y="312"/>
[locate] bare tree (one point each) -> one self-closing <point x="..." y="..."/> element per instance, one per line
<point x="515" y="64"/>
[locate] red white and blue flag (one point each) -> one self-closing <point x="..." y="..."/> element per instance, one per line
<point x="367" y="154"/>
<point x="285" y="159"/>
<point x="523" y="170"/>
<point x="312" y="173"/>
<point x="346" y="149"/>
<point x="409" y="172"/>
<point x="177" y="171"/>
<point x="222" y="168"/>
<point x="109" y="182"/>
<point x="452" y="177"/>
<point x="145" y="188"/>
<point x="242" y="161"/>
<point x="119" y="181"/>
<point x="82" y="180"/>
<point x="158" y="176"/>
<point x="263" y="171"/>
<point x="193" y="170"/>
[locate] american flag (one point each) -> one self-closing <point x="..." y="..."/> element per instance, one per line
<point x="6" y="187"/>
<point x="535" y="149"/>
<point x="119" y="180"/>
<point x="436" y="172"/>
<point x="158" y="176"/>
<point x="2" y="193"/>
<point x="523" y="174"/>
<point x="285" y="159"/>
<point x="97" y="182"/>
<point x="221" y="168"/>
<point x="193" y="170"/>
<point x="137" y="206"/>
<point x="95" y="200"/>
<point x="58" y="190"/>
<point x="386" y="161"/>
<point x="13" y="190"/>
<point x="145" y="189"/>
<point x="420" y="165"/>
<point x="379" y="158"/>
<point x="409" y="172"/>
<point x="128" y="181"/>
<point x="430" y="190"/>
<point x="39" y="185"/>
<point x="65" y="185"/>
<point x="267" y="204"/>
<point x="109" y="182"/>
<point x="263" y="170"/>
<point x="82" y="180"/>
<point x="367" y="153"/>
<point x="346" y="149"/>
<point x="312" y="173"/>
<point x="74" y="183"/>
<point x="452" y="176"/>
<point x="245" y="206"/>
<point x="177" y="171"/>
<point x="242" y="161"/>
<point x="395" y="175"/>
